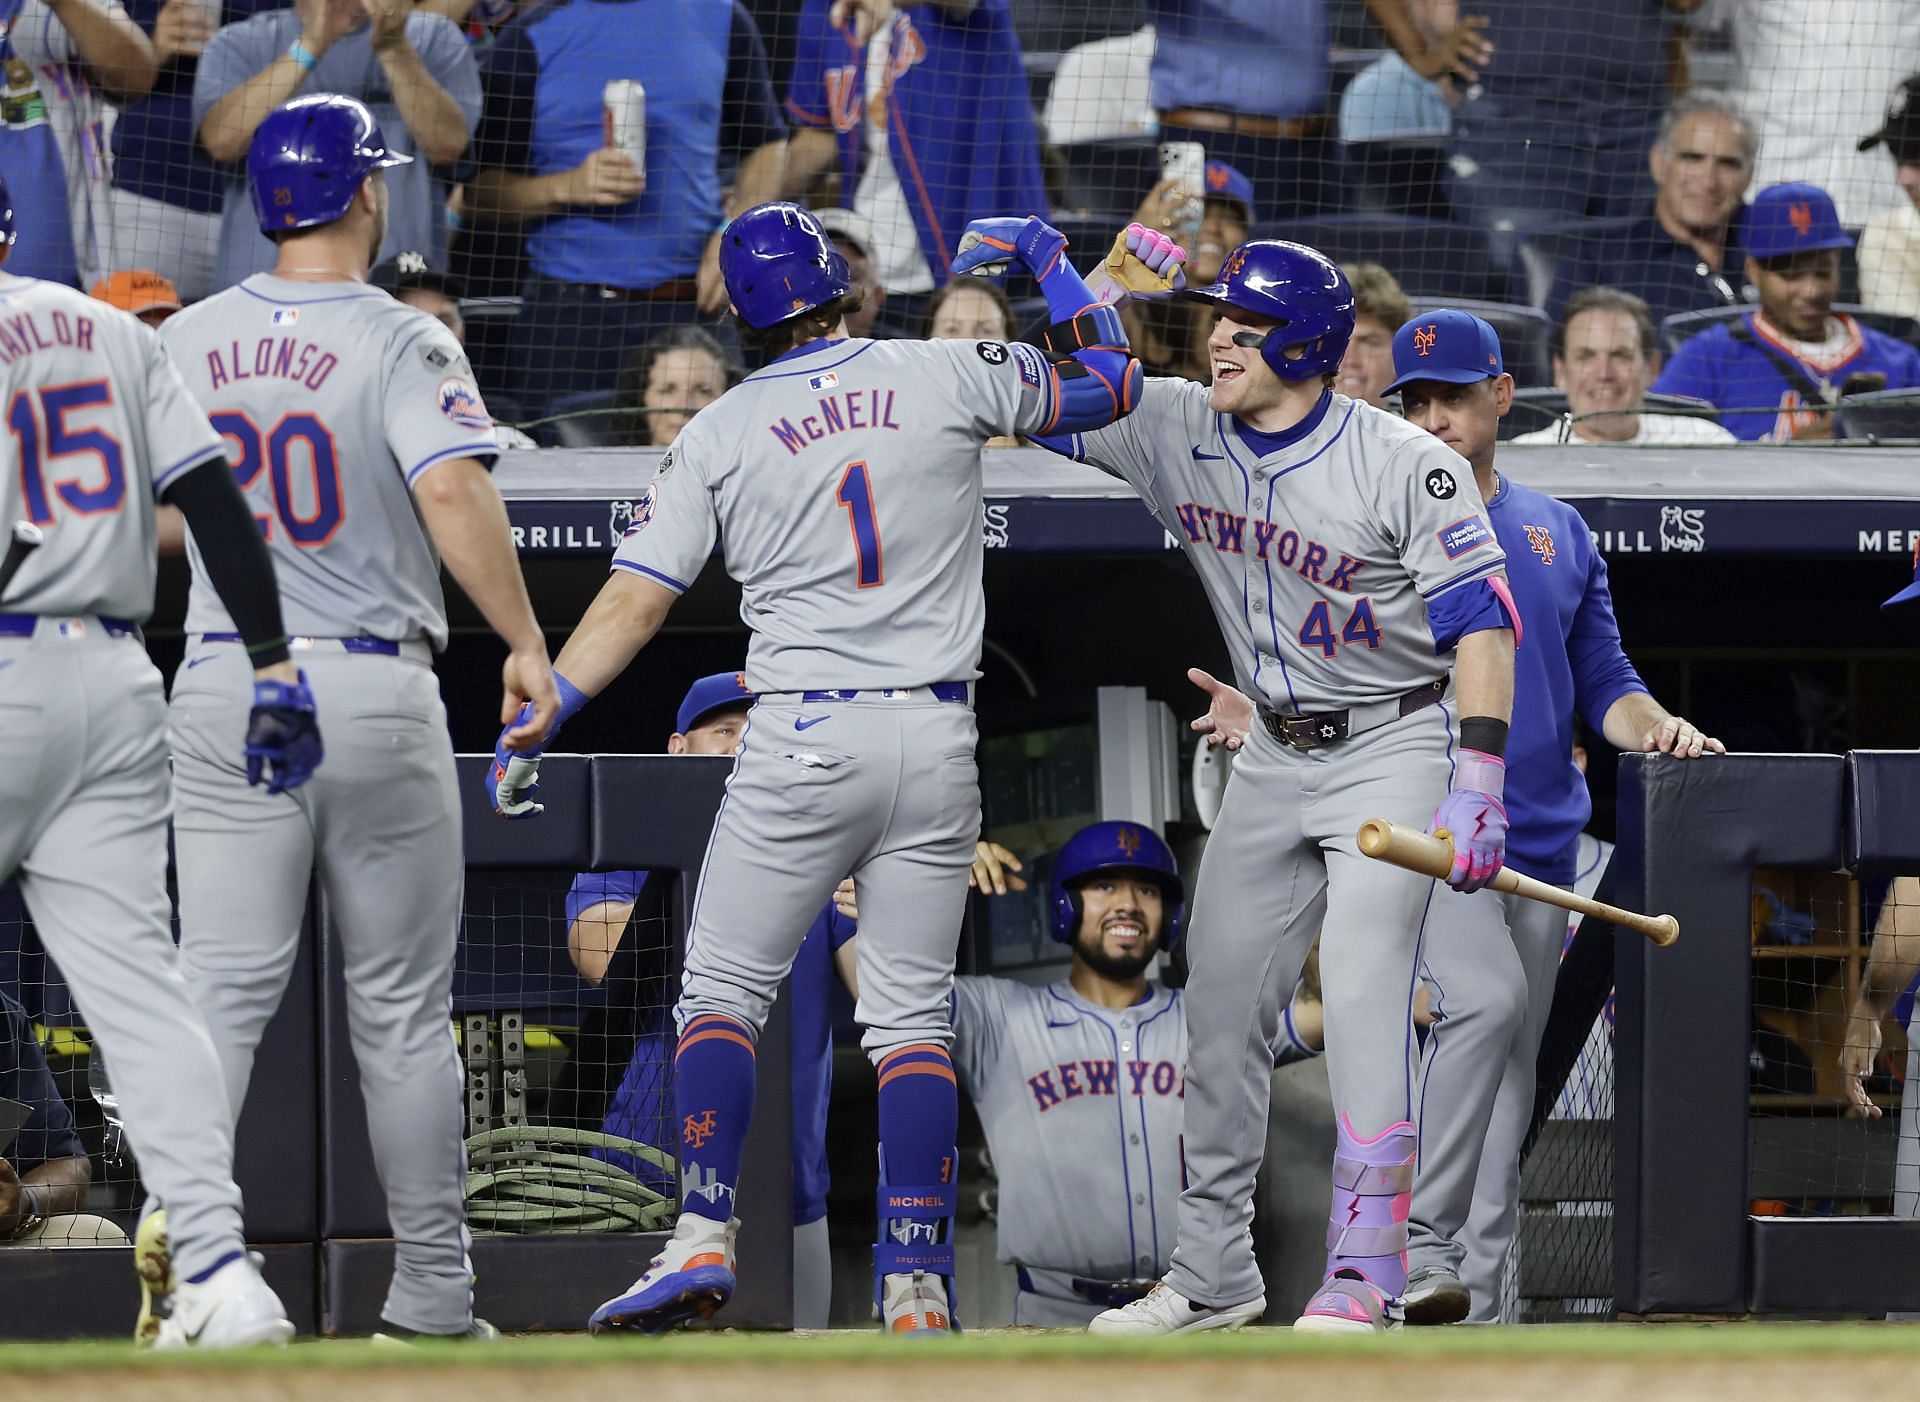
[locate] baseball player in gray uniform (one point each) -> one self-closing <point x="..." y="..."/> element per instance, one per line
<point x="363" y="447"/>
<point x="1351" y="568"/>
<point x="1492" y="960"/>
<point x="100" y="429"/>
<point x="844" y="480"/>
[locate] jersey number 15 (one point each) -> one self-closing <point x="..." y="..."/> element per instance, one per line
<point x="298" y="447"/>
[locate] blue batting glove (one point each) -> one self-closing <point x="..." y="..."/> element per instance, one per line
<point x="989" y="245"/>
<point x="283" y="736"/>
<point x="514" y="776"/>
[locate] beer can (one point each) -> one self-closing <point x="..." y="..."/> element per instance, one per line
<point x="625" y="120"/>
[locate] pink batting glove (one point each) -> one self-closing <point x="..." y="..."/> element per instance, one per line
<point x="1474" y="816"/>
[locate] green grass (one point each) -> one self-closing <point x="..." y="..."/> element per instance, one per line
<point x="1747" y="1342"/>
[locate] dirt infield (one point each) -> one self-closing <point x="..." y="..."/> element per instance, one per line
<point x="1730" y="1363"/>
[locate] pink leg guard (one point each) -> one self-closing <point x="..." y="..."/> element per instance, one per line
<point x="1372" y="1194"/>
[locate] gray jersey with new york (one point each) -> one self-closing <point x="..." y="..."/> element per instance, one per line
<point x="1320" y="558"/>
<point x="1082" y="1107"/>
<point x="844" y="483"/>
<point x="98" y="424"/>
<point x="334" y="400"/>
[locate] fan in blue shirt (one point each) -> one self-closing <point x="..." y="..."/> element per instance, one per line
<point x="1793" y="358"/>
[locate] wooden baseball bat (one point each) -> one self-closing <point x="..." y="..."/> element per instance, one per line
<point x="1431" y="855"/>
<point x="24" y="539"/>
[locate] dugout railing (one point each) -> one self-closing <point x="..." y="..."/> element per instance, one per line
<point x="314" y="1205"/>
<point x="1691" y="1156"/>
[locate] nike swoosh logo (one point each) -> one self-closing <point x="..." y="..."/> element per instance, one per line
<point x="1207" y="457"/>
<point x="810" y="722"/>
<point x="197" y="661"/>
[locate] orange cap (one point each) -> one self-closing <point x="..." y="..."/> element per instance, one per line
<point x="137" y="290"/>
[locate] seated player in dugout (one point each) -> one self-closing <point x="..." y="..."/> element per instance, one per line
<point x="1080" y="1084"/>
<point x="712" y="720"/>
<point x="44" y="1173"/>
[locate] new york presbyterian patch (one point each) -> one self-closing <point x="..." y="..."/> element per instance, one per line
<point x="460" y="402"/>
<point x="1464" y="536"/>
<point x="1031" y="365"/>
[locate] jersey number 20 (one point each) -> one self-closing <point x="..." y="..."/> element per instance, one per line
<point x="299" y="444"/>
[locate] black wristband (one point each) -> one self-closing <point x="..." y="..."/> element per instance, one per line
<point x="1485" y="734"/>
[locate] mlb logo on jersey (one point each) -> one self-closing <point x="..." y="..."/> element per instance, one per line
<point x="819" y="384"/>
<point x="1464" y="536"/>
<point x="460" y="402"/>
<point x="285" y="316"/>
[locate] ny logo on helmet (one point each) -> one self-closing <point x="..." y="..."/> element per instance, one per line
<point x="1128" y="841"/>
<point x="1424" y="338"/>
<point x="1234" y="264"/>
<point x="1801" y="216"/>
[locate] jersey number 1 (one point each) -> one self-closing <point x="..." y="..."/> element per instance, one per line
<point x="273" y="453"/>
<point x="856" y="494"/>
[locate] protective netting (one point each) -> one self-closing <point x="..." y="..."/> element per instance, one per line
<point x="60" y="1130"/>
<point x="1834" y="969"/>
<point x="574" y="160"/>
<point x="564" y="1003"/>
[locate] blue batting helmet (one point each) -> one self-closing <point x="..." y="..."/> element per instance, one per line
<point x="1302" y="289"/>
<point x="778" y="263"/>
<point x="1102" y="847"/>
<point x="7" y="233"/>
<point x="308" y="157"/>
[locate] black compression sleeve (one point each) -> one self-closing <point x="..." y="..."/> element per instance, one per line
<point x="235" y="555"/>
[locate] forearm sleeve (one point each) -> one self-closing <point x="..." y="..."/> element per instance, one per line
<point x="1100" y="379"/>
<point x="236" y="557"/>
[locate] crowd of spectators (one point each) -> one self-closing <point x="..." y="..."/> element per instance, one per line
<point x="1460" y="147"/>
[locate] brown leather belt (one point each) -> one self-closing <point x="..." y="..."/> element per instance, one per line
<point x="679" y="289"/>
<point x="1243" y="123"/>
<point x="1303" y="732"/>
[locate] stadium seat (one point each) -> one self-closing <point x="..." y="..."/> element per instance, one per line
<point x="1542" y="407"/>
<point x="1891" y="413"/>
<point x="592" y="429"/>
<point x="1107" y="175"/>
<point x="1524" y="332"/>
<point x="1675" y="331"/>
<point x="1541" y="251"/>
<point x="1397" y="177"/>
<point x="1431" y="258"/>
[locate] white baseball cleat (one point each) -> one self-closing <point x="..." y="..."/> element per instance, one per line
<point x="232" y="1308"/>
<point x="916" y="1304"/>
<point x="153" y="1263"/>
<point x="1164" y="1310"/>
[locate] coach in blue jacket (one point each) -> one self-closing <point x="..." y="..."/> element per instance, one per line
<point x="1793" y="357"/>
<point x="1490" y="960"/>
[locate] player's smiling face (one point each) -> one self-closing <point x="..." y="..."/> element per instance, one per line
<point x="1243" y="383"/>
<point x="1122" y="922"/>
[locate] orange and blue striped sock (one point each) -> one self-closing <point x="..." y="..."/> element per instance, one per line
<point x="919" y="1113"/>
<point x="713" y="1082"/>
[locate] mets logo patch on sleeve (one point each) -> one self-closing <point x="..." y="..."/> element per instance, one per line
<point x="1464" y="536"/>
<point x="642" y="510"/>
<point x="460" y="402"/>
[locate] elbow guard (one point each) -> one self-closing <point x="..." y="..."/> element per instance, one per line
<point x="1096" y="387"/>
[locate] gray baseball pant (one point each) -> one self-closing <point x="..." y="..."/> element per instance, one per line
<point x="83" y="820"/>
<point x="379" y="823"/>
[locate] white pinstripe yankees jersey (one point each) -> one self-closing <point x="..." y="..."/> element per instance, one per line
<point x="1082" y="1106"/>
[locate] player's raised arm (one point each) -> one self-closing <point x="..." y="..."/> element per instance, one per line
<point x="1096" y="377"/>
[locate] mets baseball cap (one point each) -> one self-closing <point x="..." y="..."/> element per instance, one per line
<point x="1226" y="183"/>
<point x="1790" y="218"/>
<point x="723" y="691"/>
<point x="1455" y="348"/>
<point x="409" y="271"/>
<point x="137" y="290"/>
<point x="1900" y="132"/>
